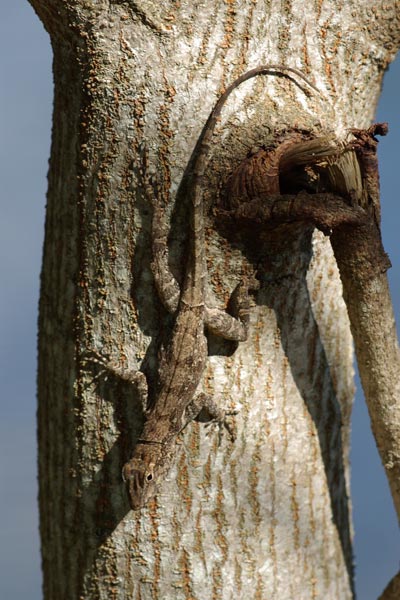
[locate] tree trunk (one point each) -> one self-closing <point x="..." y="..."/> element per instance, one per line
<point x="269" y="515"/>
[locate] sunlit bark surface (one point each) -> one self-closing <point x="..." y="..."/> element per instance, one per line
<point x="269" y="515"/>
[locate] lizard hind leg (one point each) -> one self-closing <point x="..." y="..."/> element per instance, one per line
<point x="204" y="409"/>
<point x="233" y="324"/>
<point x="167" y="286"/>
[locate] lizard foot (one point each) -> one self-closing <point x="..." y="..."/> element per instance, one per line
<point x="205" y="410"/>
<point x="133" y="376"/>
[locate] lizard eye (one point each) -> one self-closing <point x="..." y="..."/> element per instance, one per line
<point x="149" y="477"/>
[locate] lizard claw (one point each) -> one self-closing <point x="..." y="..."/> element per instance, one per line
<point x="93" y="356"/>
<point x="230" y="430"/>
<point x="222" y="422"/>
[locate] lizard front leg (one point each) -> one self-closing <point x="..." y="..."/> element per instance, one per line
<point x="203" y="408"/>
<point x="132" y="376"/>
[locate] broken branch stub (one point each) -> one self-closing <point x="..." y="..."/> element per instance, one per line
<point x="334" y="185"/>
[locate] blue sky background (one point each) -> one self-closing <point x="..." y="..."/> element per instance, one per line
<point x="25" y="121"/>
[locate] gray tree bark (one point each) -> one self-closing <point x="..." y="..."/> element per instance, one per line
<point x="268" y="516"/>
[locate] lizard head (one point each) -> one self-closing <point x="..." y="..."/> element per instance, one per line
<point x="142" y="474"/>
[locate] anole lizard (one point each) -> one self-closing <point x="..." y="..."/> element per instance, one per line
<point x="183" y="361"/>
